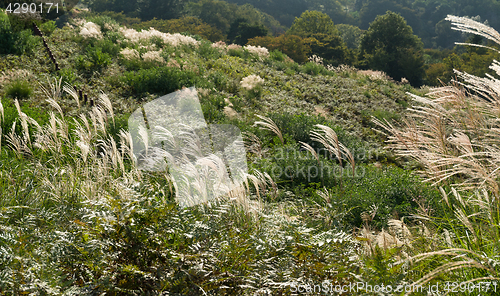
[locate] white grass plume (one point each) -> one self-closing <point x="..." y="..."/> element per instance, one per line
<point x="2" y="115"/>
<point x="106" y="103"/>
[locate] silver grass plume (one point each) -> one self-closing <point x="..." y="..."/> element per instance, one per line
<point x="72" y="92"/>
<point x="268" y="124"/>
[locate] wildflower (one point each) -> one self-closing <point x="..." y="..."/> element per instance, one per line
<point x="234" y="46"/>
<point x="316" y="59"/>
<point x="171" y="39"/>
<point x="258" y="50"/>
<point x="129" y="53"/>
<point x="153" y="56"/>
<point x="91" y="30"/>
<point x="220" y="45"/>
<point x="251" y="81"/>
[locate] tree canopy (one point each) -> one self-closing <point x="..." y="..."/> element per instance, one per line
<point x="312" y="22"/>
<point x="390" y="46"/>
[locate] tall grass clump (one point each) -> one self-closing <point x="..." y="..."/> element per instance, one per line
<point x="453" y="133"/>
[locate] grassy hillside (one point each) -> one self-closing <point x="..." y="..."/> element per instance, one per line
<point x="77" y="217"/>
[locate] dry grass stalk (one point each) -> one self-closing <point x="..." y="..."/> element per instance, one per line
<point x="253" y="144"/>
<point x="328" y="138"/>
<point x="53" y="92"/>
<point x="269" y="124"/>
<point x="2" y="115"/>
<point x="453" y="133"/>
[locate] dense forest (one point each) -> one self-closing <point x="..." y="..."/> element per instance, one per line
<point x="426" y="17"/>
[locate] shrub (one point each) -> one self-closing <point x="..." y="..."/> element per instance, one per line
<point x="107" y="46"/>
<point x="95" y="59"/>
<point x="159" y="80"/>
<point x="208" y="52"/>
<point x="219" y="79"/>
<point x="68" y="75"/>
<point x="48" y="27"/>
<point x="277" y="55"/>
<point x="389" y="193"/>
<point x="313" y="69"/>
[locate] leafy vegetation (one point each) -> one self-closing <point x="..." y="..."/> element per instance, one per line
<point x="323" y="203"/>
<point x="390" y="46"/>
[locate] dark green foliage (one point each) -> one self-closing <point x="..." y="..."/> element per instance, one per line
<point x="159" y="80"/>
<point x="394" y="192"/>
<point x="313" y="69"/>
<point x="284" y="11"/>
<point x="14" y="41"/>
<point x="219" y="14"/>
<point x="241" y="31"/>
<point x="48" y="27"/>
<point x="95" y="59"/>
<point x="330" y="47"/>
<point x="350" y="34"/>
<point x="312" y="22"/>
<point x="295" y="47"/>
<point x="390" y="46"/>
<point x="149" y="9"/>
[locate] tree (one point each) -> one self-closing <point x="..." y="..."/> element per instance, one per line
<point x="350" y="34"/>
<point x="312" y="22"/>
<point x="390" y="46"/>
<point x="330" y="47"/>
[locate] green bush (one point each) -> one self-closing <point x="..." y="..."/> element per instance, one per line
<point x="11" y="115"/>
<point x="219" y="80"/>
<point x="95" y="59"/>
<point x="213" y="108"/>
<point x="68" y="75"/>
<point x="107" y="46"/>
<point x="277" y="55"/>
<point x="159" y="80"/>
<point x="19" y="89"/>
<point x="48" y="27"/>
<point x="392" y="191"/>
<point x="102" y="20"/>
<point x="208" y="52"/>
<point x="313" y="69"/>
<point x="299" y="126"/>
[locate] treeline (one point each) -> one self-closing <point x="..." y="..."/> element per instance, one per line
<point x="426" y="17"/>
